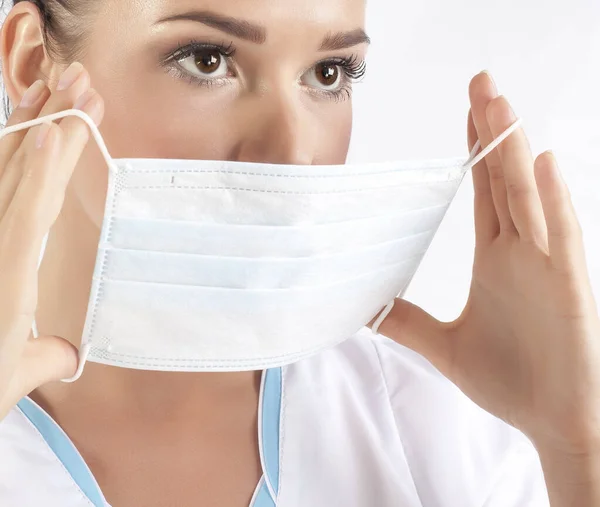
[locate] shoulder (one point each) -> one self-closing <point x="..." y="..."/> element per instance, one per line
<point x="442" y="429"/>
<point x="453" y="447"/>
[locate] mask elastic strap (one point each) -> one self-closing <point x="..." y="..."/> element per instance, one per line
<point x="56" y="116"/>
<point x="84" y="350"/>
<point x="472" y="161"/>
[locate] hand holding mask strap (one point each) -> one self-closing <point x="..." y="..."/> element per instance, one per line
<point x="471" y="162"/>
<point x="174" y="362"/>
<point x="84" y="349"/>
<point x="56" y="116"/>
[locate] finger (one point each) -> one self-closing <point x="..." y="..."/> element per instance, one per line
<point x="517" y="166"/>
<point x="78" y="81"/>
<point x="487" y="226"/>
<point x="36" y="205"/>
<point x="46" y="359"/>
<point x="28" y="108"/>
<point x="75" y="131"/>
<point x="411" y="326"/>
<point x="34" y="208"/>
<point x="564" y="231"/>
<point x="22" y="230"/>
<point x="10" y="173"/>
<point x="72" y="84"/>
<point x="482" y="91"/>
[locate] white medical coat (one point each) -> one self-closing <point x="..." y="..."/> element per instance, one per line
<point x="367" y="423"/>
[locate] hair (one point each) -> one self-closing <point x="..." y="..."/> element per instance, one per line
<point x="63" y="29"/>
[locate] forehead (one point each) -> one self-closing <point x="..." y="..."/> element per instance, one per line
<point x="280" y="18"/>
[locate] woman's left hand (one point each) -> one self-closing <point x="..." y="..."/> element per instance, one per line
<point x="527" y="345"/>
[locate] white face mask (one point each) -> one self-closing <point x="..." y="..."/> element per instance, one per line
<point x="231" y="266"/>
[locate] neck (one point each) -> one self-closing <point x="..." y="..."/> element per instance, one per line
<point x="64" y="286"/>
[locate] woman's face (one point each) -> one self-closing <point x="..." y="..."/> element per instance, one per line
<point x="247" y="80"/>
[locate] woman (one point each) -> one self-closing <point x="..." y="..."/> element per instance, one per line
<point x="367" y="423"/>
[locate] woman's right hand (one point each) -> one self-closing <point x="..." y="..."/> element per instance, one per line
<point x="35" y="168"/>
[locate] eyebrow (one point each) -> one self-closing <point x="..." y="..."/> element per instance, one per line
<point x="258" y="35"/>
<point x="236" y="27"/>
<point x="343" y="40"/>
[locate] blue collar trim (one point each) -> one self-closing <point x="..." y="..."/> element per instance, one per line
<point x="270" y="424"/>
<point x="270" y="417"/>
<point x="65" y="451"/>
<point x="263" y="497"/>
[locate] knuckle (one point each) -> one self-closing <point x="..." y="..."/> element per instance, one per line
<point x="497" y="101"/>
<point x="561" y="232"/>
<point x="518" y="190"/>
<point x="529" y="239"/>
<point x="562" y="270"/>
<point x="79" y="134"/>
<point x="495" y="171"/>
<point x="56" y="132"/>
<point x="568" y="227"/>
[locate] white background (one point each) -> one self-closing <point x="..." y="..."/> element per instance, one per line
<point x="545" y="58"/>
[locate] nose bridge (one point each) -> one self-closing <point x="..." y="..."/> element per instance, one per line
<point x="278" y="130"/>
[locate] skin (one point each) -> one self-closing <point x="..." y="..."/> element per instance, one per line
<point x="268" y="111"/>
<point x="525" y="348"/>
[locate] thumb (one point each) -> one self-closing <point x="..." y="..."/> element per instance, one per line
<point x="411" y="326"/>
<point x="46" y="359"/>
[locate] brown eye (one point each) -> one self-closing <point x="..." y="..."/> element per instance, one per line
<point x="327" y="74"/>
<point x="208" y="61"/>
<point x="208" y="64"/>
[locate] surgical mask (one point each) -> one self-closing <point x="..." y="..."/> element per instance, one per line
<point x="232" y="266"/>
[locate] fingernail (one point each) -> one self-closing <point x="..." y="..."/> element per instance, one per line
<point x="485" y="71"/>
<point x="87" y="104"/>
<point x="69" y="76"/>
<point x="42" y="135"/>
<point x="32" y="94"/>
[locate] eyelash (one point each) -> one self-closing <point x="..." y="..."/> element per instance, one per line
<point x="172" y="66"/>
<point x="352" y="67"/>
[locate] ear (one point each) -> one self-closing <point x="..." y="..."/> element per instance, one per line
<point x="23" y="53"/>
